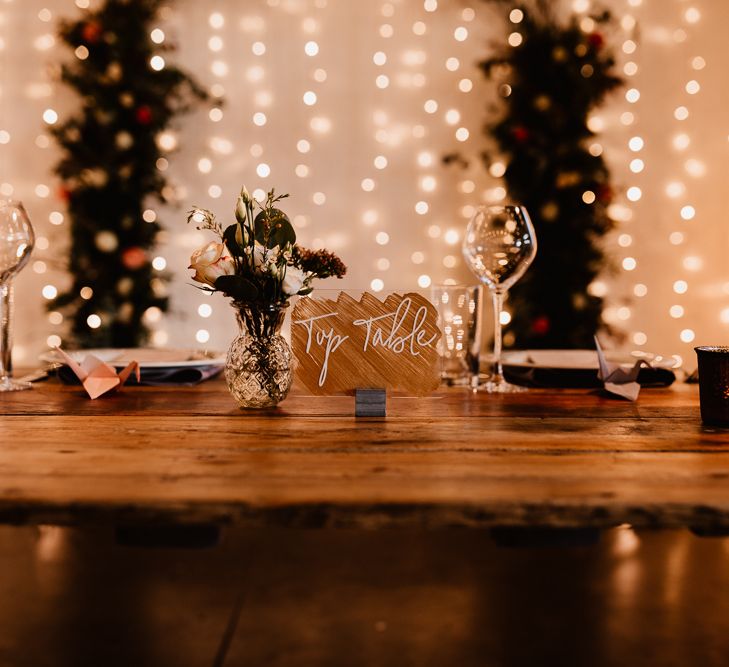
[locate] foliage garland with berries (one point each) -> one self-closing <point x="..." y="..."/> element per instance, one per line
<point x="550" y="83"/>
<point x="109" y="169"/>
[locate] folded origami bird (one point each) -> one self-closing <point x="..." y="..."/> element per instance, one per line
<point x="97" y="376"/>
<point x="618" y="380"/>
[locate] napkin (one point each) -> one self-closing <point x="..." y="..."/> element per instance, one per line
<point x="618" y="380"/>
<point x="570" y="369"/>
<point x="96" y="376"/>
<point x="167" y="376"/>
<point x="177" y="376"/>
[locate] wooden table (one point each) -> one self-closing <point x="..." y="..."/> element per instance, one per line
<point x="564" y="458"/>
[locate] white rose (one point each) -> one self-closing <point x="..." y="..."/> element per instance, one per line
<point x="210" y="262"/>
<point x="293" y="280"/>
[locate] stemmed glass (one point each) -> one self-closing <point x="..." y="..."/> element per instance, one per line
<point x="499" y="246"/>
<point x="16" y="243"/>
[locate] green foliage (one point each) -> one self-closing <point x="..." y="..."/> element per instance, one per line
<point x="274" y="229"/>
<point x="237" y="287"/>
<point x="109" y="168"/>
<point x="549" y="85"/>
<point x="230" y="238"/>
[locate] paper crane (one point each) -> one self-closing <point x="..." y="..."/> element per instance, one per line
<point x="618" y="380"/>
<point x="97" y="376"/>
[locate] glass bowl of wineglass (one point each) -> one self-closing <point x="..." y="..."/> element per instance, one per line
<point x="498" y="247"/>
<point x="16" y="244"/>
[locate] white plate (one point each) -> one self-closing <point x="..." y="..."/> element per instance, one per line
<point x="147" y="357"/>
<point x="575" y="359"/>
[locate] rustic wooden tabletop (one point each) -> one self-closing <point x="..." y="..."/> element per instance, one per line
<point x="548" y="457"/>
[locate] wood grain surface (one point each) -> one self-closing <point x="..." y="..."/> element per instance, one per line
<point x="350" y="344"/>
<point x="558" y="458"/>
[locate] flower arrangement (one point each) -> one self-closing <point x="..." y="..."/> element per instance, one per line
<point x="257" y="263"/>
<point x="256" y="260"/>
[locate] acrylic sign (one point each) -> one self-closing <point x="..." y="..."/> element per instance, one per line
<point x="347" y="344"/>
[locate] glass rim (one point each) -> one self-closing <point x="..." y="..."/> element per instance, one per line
<point x="455" y="286"/>
<point x="712" y="349"/>
<point x="482" y="207"/>
<point x="7" y="201"/>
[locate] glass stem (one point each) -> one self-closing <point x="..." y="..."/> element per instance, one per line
<point x="498" y="372"/>
<point x="6" y="305"/>
<point x="475" y="328"/>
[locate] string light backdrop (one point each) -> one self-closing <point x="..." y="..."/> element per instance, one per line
<point x="349" y="107"/>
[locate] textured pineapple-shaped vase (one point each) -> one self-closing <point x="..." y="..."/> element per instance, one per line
<point x="259" y="366"/>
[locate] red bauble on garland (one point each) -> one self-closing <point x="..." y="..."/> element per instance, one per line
<point x="596" y="40"/>
<point x="91" y="32"/>
<point x="521" y="134"/>
<point x="134" y="258"/>
<point x="143" y="115"/>
<point x="541" y="325"/>
<point x="64" y="193"/>
<point x="605" y="194"/>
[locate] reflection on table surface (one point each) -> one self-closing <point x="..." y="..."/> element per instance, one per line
<point x="74" y="596"/>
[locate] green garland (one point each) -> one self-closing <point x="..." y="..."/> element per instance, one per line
<point x="110" y="169"/>
<point x="550" y="84"/>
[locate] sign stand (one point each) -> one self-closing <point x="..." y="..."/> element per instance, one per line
<point x="370" y="403"/>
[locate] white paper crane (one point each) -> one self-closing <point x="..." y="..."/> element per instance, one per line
<point x="618" y="380"/>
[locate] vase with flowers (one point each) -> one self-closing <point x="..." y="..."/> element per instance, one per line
<point x="257" y="263"/>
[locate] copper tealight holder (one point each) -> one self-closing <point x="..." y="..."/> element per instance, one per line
<point x="714" y="384"/>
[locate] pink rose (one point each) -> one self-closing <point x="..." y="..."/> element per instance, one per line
<point x="210" y="262"/>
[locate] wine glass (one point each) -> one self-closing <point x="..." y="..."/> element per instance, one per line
<point x="499" y="246"/>
<point x="16" y="243"/>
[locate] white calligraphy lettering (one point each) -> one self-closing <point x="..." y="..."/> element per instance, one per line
<point x="332" y="340"/>
<point x="391" y="340"/>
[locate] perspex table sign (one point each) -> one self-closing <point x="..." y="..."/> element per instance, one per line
<point x="366" y="347"/>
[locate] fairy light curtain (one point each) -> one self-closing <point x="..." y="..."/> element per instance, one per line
<point x="349" y="107"/>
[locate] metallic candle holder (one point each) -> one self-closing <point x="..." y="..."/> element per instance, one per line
<point x="714" y="384"/>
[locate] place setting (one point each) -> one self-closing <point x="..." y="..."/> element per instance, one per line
<point x="407" y="343"/>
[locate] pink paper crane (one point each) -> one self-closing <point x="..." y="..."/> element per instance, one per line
<point x="98" y="377"/>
